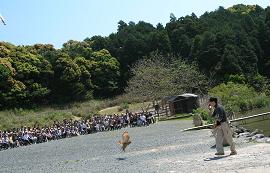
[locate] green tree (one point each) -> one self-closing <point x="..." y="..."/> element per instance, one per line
<point x="31" y="70"/>
<point x="155" y="77"/>
<point x="105" y="73"/>
<point x="76" y="48"/>
<point x="66" y="82"/>
<point x="97" y="42"/>
<point x="230" y="61"/>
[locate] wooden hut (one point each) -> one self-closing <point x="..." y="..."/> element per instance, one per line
<point x="184" y="103"/>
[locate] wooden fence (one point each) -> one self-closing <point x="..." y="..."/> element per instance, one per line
<point x="243" y="120"/>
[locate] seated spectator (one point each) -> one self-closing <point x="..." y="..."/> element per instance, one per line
<point x="32" y="138"/>
<point x="5" y="141"/>
<point x="26" y="138"/>
<point x="12" y="141"/>
<point x="143" y="119"/>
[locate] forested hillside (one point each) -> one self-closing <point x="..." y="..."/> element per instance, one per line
<point x="224" y="44"/>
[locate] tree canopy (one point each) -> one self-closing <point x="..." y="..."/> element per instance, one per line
<point x="158" y="76"/>
<point x="224" y="42"/>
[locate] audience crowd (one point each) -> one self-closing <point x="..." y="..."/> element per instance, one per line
<point x="68" y="128"/>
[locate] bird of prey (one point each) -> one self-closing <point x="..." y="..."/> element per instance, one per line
<point x="2" y="20"/>
<point x="125" y="141"/>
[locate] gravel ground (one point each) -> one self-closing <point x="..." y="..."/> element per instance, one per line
<point x="161" y="147"/>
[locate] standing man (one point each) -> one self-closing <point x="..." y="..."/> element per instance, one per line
<point x="222" y="127"/>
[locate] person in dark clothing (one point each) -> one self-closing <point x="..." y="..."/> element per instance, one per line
<point x="222" y="127"/>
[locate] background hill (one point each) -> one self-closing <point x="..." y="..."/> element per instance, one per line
<point x="220" y="43"/>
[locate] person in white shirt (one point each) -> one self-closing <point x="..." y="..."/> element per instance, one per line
<point x="143" y="119"/>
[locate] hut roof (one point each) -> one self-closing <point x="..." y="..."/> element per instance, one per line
<point x="189" y="95"/>
<point x="172" y="98"/>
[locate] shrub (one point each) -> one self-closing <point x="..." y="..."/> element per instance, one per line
<point x="204" y="113"/>
<point x="239" y="97"/>
<point x="123" y="106"/>
<point x="261" y="101"/>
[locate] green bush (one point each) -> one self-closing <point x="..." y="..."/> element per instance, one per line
<point x="204" y="113"/>
<point x="239" y="97"/>
<point x="123" y="106"/>
<point x="261" y="101"/>
<point x="244" y="105"/>
<point x="120" y="109"/>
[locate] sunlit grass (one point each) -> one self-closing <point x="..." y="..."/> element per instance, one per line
<point x="135" y="107"/>
<point x="15" y="119"/>
<point x="41" y="116"/>
<point x="262" y="125"/>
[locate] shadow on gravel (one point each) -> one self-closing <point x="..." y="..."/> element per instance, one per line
<point x="121" y="158"/>
<point x="215" y="158"/>
<point x="224" y="145"/>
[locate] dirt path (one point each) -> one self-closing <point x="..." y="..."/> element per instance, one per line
<point x="160" y="147"/>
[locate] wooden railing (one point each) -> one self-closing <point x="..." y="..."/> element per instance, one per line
<point x="243" y="120"/>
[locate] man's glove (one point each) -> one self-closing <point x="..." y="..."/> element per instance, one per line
<point x="216" y="124"/>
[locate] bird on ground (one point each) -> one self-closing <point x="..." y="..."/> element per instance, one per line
<point x="125" y="141"/>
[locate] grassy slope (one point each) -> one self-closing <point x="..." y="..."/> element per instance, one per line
<point x="262" y="125"/>
<point x="136" y="107"/>
<point x="17" y="118"/>
<point x="45" y="116"/>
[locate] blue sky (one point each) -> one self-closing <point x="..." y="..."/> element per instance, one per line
<point x="57" y="21"/>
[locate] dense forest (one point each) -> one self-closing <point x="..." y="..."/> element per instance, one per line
<point x="226" y="44"/>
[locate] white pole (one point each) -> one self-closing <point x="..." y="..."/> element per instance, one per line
<point x="2" y="19"/>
